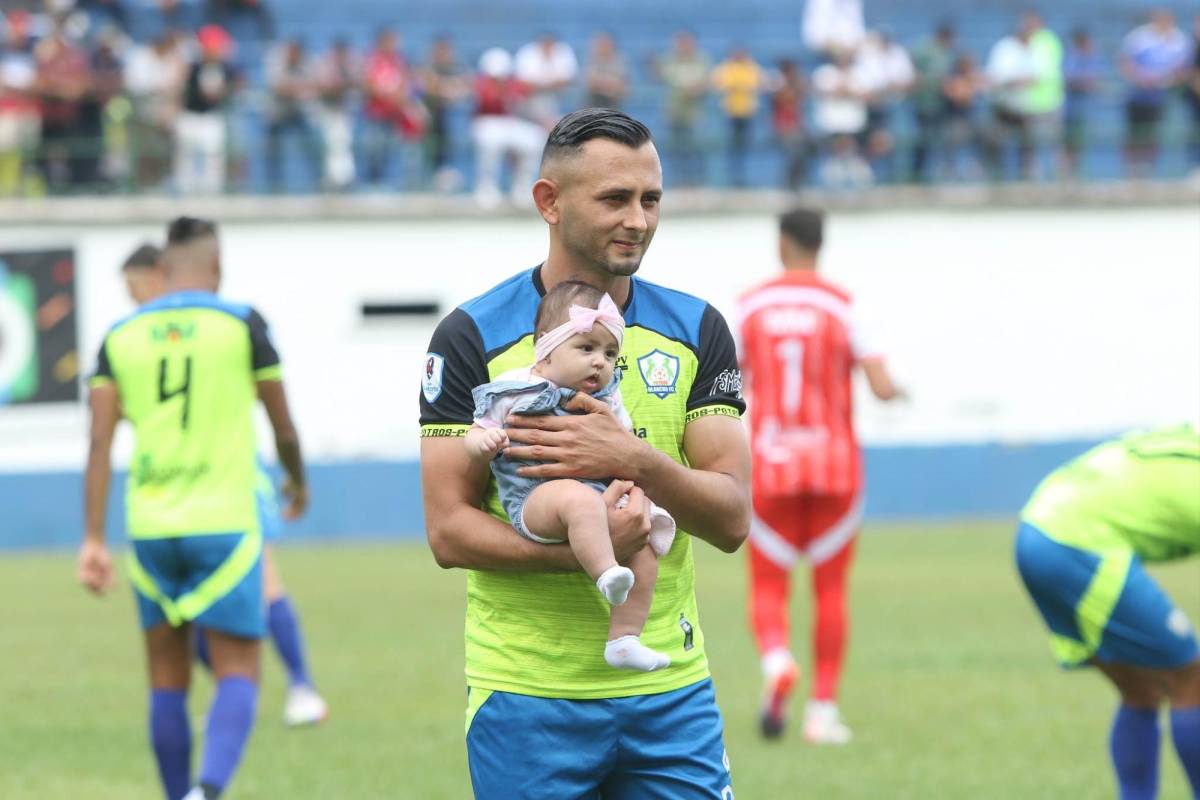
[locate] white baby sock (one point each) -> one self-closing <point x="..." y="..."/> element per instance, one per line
<point x="614" y="583"/>
<point x="628" y="652"/>
<point x="662" y="530"/>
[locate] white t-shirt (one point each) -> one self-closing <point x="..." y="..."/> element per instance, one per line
<point x="830" y="24"/>
<point x="834" y="114"/>
<point x="883" y="69"/>
<point x="1011" y="60"/>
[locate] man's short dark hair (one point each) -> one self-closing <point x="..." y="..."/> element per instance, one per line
<point x="186" y="229"/>
<point x="804" y="227"/>
<point x="580" y="127"/>
<point x="146" y="256"/>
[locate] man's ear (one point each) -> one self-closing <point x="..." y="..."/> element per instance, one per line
<point x="545" y="196"/>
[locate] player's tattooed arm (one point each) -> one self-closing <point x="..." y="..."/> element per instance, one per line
<point x="287" y="446"/>
<point x="95" y="565"/>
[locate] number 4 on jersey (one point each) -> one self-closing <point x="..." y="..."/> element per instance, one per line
<point x="184" y="388"/>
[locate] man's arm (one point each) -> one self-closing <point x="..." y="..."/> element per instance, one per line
<point x="95" y="565"/>
<point x="880" y="380"/>
<point x="287" y="446"/>
<point x="462" y="535"/>
<point x="710" y="498"/>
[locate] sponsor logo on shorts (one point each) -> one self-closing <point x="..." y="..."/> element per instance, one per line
<point x="431" y="377"/>
<point x="660" y="372"/>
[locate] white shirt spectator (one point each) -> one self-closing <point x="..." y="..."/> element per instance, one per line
<point x="883" y="67"/>
<point x="547" y="71"/>
<point x="1011" y="69"/>
<point x="836" y="112"/>
<point x="833" y="25"/>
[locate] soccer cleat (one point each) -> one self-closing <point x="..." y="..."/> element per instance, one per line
<point x="304" y="707"/>
<point x="823" y="724"/>
<point x="779" y="684"/>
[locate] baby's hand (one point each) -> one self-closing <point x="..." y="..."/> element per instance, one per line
<point x="491" y="441"/>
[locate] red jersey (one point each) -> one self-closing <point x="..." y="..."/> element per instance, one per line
<point x="799" y="346"/>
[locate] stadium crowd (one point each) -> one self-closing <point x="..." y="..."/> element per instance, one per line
<point x="88" y="103"/>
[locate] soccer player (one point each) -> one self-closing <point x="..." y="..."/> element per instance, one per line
<point x="146" y="279"/>
<point x="1080" y="547"/>
<point x="536" y="625"/>
<point x="800" y="345"/>
<point x="186" y="370"/>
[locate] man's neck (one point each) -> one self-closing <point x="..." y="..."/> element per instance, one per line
<point x="558" y="267"/>
<point x="185" y="285"/>
<point x="800" y="264"/>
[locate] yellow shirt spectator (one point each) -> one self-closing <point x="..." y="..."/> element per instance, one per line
<point x="740" y="80"/>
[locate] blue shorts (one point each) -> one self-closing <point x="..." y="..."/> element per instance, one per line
<point x="214" y="580"/>
<point x="666" y="746"/>
<point x="1102" y="605"/>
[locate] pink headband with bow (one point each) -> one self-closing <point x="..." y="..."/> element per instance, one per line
<point x="582" y="320"/>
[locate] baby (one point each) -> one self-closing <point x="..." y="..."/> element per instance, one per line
<point x="578" y="335"/>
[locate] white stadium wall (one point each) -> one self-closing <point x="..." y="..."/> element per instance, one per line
<point x="1010" y="329"/>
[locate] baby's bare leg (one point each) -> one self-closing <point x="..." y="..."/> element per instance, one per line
<point x="568" y="509"/>
<point x="625" y="649"/>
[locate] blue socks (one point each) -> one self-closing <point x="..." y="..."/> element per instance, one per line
<point x="171" y="738"/>
<point x="229" y="722"/>
<point x="285" y="632"/>
<point x="1133" y="745"/>
<point x="1185" y="730"/>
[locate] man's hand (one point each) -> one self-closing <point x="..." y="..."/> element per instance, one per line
<point x="592" y="444"/>
<point x="486" y="442"/>
<point x="628" y="522"/>
<point x="297" y="500"/>
<point x="95" y="567"/>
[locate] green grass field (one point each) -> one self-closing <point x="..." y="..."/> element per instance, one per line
<point x="949" y="687"/>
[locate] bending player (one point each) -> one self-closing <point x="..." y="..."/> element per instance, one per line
<point x="146" y="280"/>
<point x="1083" y="538"/>
<point x="578" y="334"/>
<point x="800" y="344"/>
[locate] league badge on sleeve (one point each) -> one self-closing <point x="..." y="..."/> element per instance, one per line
<point x="660" y="372"/>
<point x="431" y="377"/>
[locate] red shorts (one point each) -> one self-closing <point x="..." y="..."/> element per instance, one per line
<point x="816" y="527"/>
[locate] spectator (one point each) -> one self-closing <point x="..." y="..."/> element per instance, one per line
<point x="606" y="75"/>
<point x="1154" y="59"/>
<point x="1081" y="74"/>
<point x="841" y="118"/>
<point x="788" y="94"/>
<point x="500" y="129"/>
<point x="1011" y="70"/>
<point x="684" y="71"/>
<point x="293" y="88"/>
<point x="932" y="62"/>
<point x="833" y="25"/>
<point x="740" y="80"/>
<point x="236" y="15"/>
<point x="885" y="73"/>
<point x="959" y="136"/>
<point x="106" y="111"/>
<point x="101" y="13"/>
<point x="63" y="78"/>
<point x="1193" y="95"/>
<point x="154" y="78"/>
<point x="200" y="140"/>
<point x="446" y="84"/>
<point x="1045" y="97"/>
<point x="338" y="76"/>
<point x="547" y="66"/>
<point x="392" y="108"/>
<point x="20" y="116"/>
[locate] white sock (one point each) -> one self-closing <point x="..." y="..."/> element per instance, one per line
<point x="614" y="583"/>
<point x="628" y="652"/>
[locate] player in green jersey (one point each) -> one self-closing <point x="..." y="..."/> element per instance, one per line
<point x="536" y="626"/>
<point x="1083" y="538"/>
<point x="186" y="370"/>
<point x="146" y="280"/>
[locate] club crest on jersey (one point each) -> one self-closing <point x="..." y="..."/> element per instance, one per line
<point x="431" y="376"/>
<point x="660" y="372"/>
